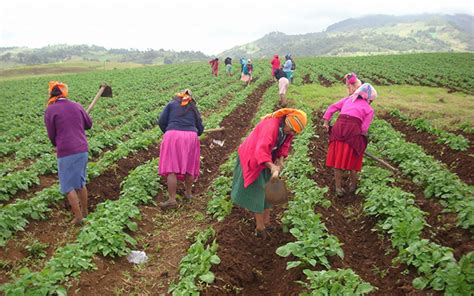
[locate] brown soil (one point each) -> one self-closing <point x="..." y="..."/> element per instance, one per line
<point x="368" y="253"/>
<point x="459" y="162"/>
<point x="249" y="265"/>
<point x="165" y="235"/>
<point x="324" y="82"/>
<point x="307" y="79"/>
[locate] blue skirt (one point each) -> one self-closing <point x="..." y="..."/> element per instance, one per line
<point x="72" y="172"/>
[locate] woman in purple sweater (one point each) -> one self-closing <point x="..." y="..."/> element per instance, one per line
<point x="180" y="151"/>
<point x="347" y="139"/>
<point x="66" y="122"/>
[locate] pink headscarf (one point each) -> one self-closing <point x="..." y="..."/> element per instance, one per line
<point x="366" y="91"/>
<point x="351" y="78"/>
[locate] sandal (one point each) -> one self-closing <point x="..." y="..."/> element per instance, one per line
<point x="261" y="233"/>
<point x="270" y="228"/>
<point x="166" y="205"/>
<point x="340" y="192"/>
<point x="188" y="197"/>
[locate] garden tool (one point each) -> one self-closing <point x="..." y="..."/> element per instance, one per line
<point x="276" y="192"/>
<point x="104" y="91"/>
<point x="217" y="129"/>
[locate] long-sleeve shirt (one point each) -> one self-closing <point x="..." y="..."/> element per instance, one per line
<point x="287" y="66"/>
<point x="177" y="117"/>
<point x="66" y="122"/>
<point x="257" y="149"/>
<point x="275" y="63"/>
<point x="359" y="108"/>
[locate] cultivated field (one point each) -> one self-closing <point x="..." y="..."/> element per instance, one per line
<point x="406" y="233"/>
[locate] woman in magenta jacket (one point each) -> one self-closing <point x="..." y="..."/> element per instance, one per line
<point x="348" y="137"/>
<point x="260" y="157"/>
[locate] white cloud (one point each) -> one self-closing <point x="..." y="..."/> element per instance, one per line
<point x="209" y="26"/>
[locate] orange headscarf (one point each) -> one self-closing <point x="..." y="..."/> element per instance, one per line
<point x="62" y="88"/>
<point x="186" y="97"/>
<point x="295" y="119"/>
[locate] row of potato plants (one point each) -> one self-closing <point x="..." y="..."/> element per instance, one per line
<point x="451" y="70"/>
<point x="107" y="241"/>
<point x="439" y="182"/>
<point x="313" y="244"/>
<point x="195" y="266"/>
<point x="114" y="112"/>
<point x="15" y="216"/>
<point x="456" y="142"/>
<point x="98" y="140"/>
<point x="104" y="233"/>
<point x="398" y="216"/>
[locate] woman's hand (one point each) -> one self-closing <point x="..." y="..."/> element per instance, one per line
<point x="326" y="125"/>
<point x="274" y="169"/>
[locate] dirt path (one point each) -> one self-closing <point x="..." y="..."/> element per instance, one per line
<point x="459" y="162"/>
<point x="365" y="251"/>
<point x="165" y="236"/>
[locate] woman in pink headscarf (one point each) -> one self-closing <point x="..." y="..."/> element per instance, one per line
<point x="348" y="137"/>
<point x="275" y="64"/>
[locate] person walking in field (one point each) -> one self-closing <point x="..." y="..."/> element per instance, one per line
<point x="242" y="61"/>
<point x="287" y="66"/>
<point x="260" y="157"/>
<point x="247" y="72"/>
<point x="348" y="137"/>
<point x="214" y="66"/>
<point x="275" y="65"/>
<point x="66" y="122"/>
<point x="180" y="151"/>
<point x="283" y="84"/>
<point x="228" y="66"/>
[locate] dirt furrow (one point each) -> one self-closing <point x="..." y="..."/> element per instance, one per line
<point x="249" y="265"/>
<point x="459" y="162"/>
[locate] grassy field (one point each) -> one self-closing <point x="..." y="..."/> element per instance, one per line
<point x="443" y="109"/>
<point x="61" y="68"/>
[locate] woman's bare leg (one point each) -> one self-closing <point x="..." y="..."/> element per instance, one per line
<point x="83" y="199"/>
<point x="354" y="180"/>
<point x="172" y="183"/>
<point x="188" y="185"/>
<point x="75" y="206"/>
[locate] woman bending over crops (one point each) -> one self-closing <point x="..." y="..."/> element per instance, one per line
<point x="348" y="137"/>
<point x="260" y="157"/>
<point x="66" y="122"/>
<point x="180" y="151"/>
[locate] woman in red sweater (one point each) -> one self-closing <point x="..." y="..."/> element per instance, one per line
<point x="260" y="157"/>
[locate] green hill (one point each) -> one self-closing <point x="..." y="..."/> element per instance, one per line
<point x="16" y="56"/>
<point x="374" y="34"/>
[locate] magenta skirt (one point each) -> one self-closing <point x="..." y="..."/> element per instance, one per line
<point x="180" y="153"/>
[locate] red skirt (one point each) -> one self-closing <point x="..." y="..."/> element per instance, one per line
<point x="342" y="156"/>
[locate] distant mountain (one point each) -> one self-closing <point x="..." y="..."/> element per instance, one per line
<point x="14" y="56"/>
<point x="373" y="34"/>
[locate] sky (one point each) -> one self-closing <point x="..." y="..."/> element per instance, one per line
<point x="208" y="26"/>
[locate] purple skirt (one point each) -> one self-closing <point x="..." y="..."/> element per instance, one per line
<point x="180" y="153"/>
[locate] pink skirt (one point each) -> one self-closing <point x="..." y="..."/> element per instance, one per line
<point x="283" y="85"/>
<point x="246" y="78"/>
<point x="180" y="153"/>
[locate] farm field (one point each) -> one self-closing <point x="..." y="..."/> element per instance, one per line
<point x="409" y="233"/>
